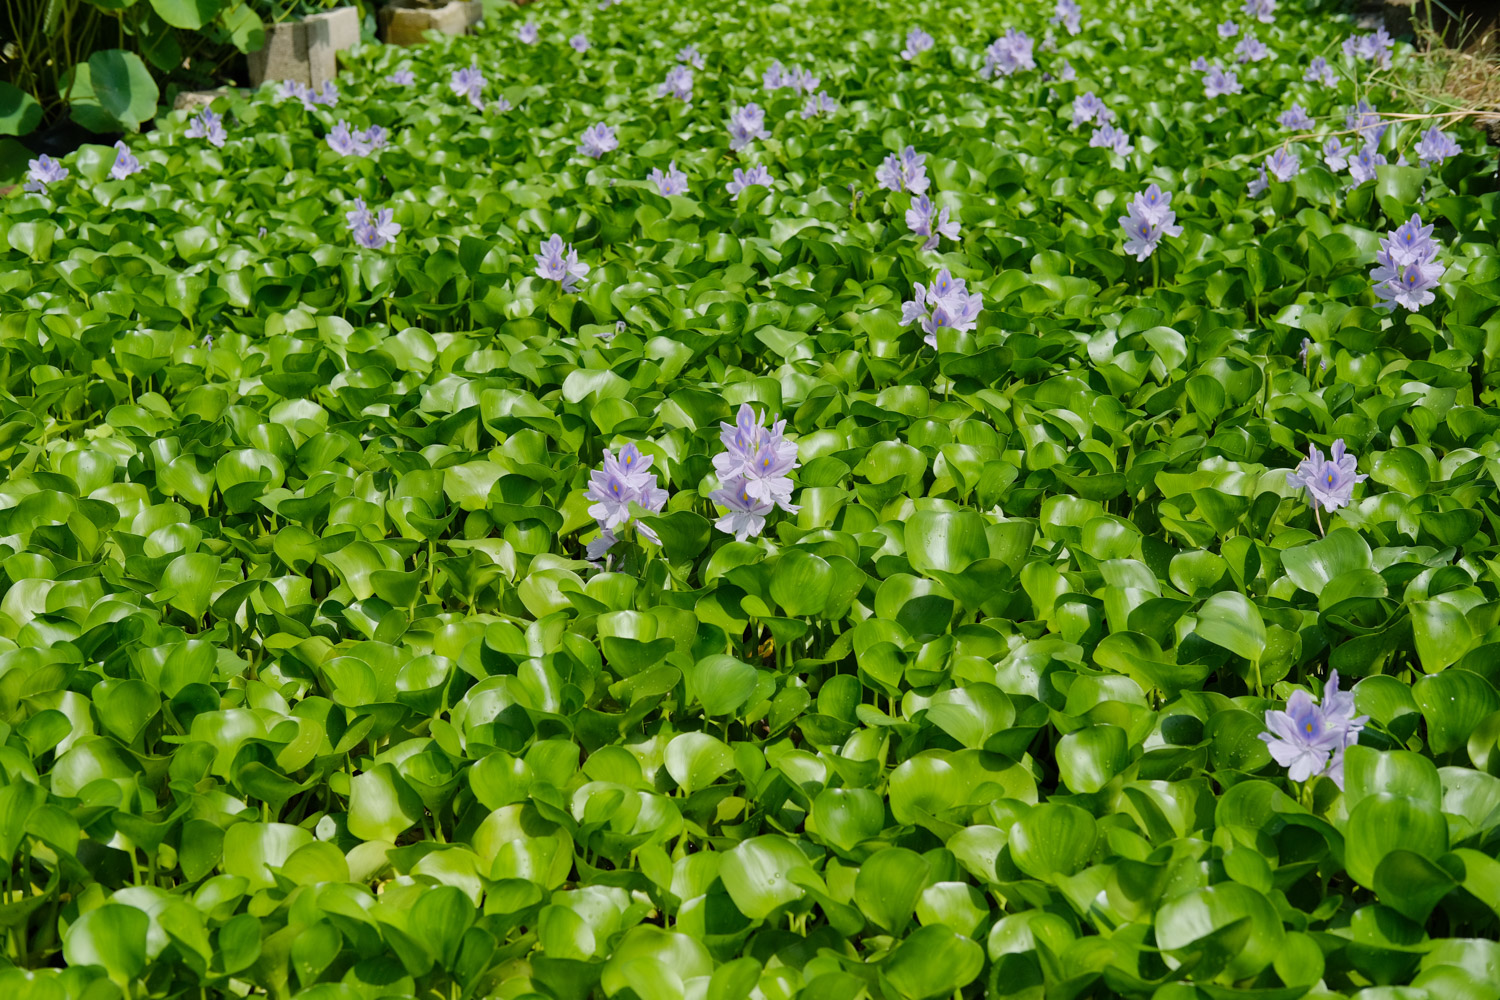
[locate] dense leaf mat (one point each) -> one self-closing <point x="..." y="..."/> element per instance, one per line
<point x="308" y="688"/>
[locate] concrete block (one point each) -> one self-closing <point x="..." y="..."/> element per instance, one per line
<point x="305" y="50"/>
<point x="403" y="23"/>
<point x="192" y="100"/>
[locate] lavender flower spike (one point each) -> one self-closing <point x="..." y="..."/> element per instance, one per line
<point x="1089" y="108"/>
<point x="579" y="42"/>
<point x="917" y="42"/>
<point x="125" y="162"/>
<point x="528" y="33"/>
<point x="1228" y="29"/>
<point x="919" y="219"/>
<point x="672" y="182"/>
<point x="1336" y="154"/>
<point x="344" y="142"/>
<point x="376" y="231"/>
<point x="1251" y="49"/>
<point x="1008" y="54"/>
<point x="946" y="304"/>
<point x="559" y="262"/>
<point x="613" y="488"/>
<point x="1330" y="483"/>
<point x="597" y="140"/>
<point x="759" y="456"/>
<point x="1435" y="146"/>
<point x="1263" y="11"/>
<point x="818" y="105"/>
<point x="1318" y="71"/>
<point x="1218" y="83"/>
<point x="746" y="125"/>
<point x="691" y="56"/>
<point x="1362" y="165"/>
<point x="1068" y="14"/>
<point x="42" y="171"/>
<point x="1113" y="139"/>
<point x="743" y="179"/>
<point x="469" y="82"/>
<point x="678" y="84"/>
<point x="403" y="77"/>
<point x="1148" y="218"/>
<point x="207" y="125"/>
<point x="1283" y="164"/>
<point x="904" y="172"/>
<point x="1406" y="267"/>
<point x="1310" y="739"/>
<point x="1295" y="118"/>
<point x="744" y="516"/>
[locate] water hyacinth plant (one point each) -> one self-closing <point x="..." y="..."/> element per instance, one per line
<point x="884" y="584"/>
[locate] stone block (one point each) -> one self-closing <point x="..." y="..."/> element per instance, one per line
<point x="403" y="23"/>
<point x="305" y="50"/>
<point x="192" y="100"/>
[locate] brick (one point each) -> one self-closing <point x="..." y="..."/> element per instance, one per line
<point x="403" y="24"/>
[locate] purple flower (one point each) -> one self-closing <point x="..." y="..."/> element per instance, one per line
<point x="905" y="172"/>
<point x="1435" y="146"/>
<point x="1374" y="48"/>
<point x="1251" y="49"/>
<point x="559" y="262"/>
<point x="775" y="78"/>
<point x="1329" y="484"/>
<point x="917" y="42"/>
<point x="613" y="488"/>
<point x="1199" y="65"/>
<point x="678" y="84"/>
<point x="403" y="77"/>
<point x="1365" y="120"/>
<point x="1217" y="82"/>
<point x="1362" y="165"/>
<point x="1065" y="71"/>
<point x="1295" y="118"/>
<point x="608" y="334"/>
<point x="745" y="178"/>
<point x="1261" y="10"/>
<point x="758" y="457"/>
<point x="946" y="304"/>
<point x="1089" y="108"/>
<point x="672" y="182"/>
<point x="375" y="138"/>
<point x="744" y="516"/>
<point x="502" y="104"/>
<point x="358" y="216"/>
<point x="804" y="81"/>
<point x="125" y="162"/>
<point x="1284" y="164"/>
<point x="1113" y="139"/>
<point x="1318" y="71"/>
<point x="1310" y="739"/>
<point x="42" y="171"/>
<point x="1257" y="187"/>
<point x="469" y="82"/>
<point x="1336" y="154"/>
<point x="691" y="56"/>
<point x="579" y="42"/>
<point x="919" y="219"/>
<point x="295" y="90"/>
<point x="328" y="96"/>
<point x="746" y="125"/>
<point x="597" y="140"/>
<point x="346" y="143"/>
<point x="528" y="33"/>
<point x="818" y="105"/>
<point x="1068" y="14"/>
<point x="1406" y="268"/>
<point x="207" y="125"/>
<point x="1228" y="29"/>
<point x="377" y="230"/>
<point x="1148" y="218"/>
<point x="1008" y="54"/>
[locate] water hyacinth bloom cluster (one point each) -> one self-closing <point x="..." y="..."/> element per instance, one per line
<point x="207" y="125"/>
<point x="1088" y="108"/>
<point x="328" y="95"/>
<point x="917" y="42"/>
<point x="1336" y="154"/>
<point x="371" y="230"/>
<point x="946" y="304"/>
<point x="1309" y="739"/>
<point x="904" y="172"/>
<point x="746" y="125"/>
<point x="1263" y="11"/>
<point x="1363" y="119"/>
<point x="403" y="77"/>
<point x="1406" y="268"/>
<point x="559" y="262"/>
<point x="1148" y="218"/>
<point x="528" y="33"/>
<point x="1228" y="29"/>
<point x="818" y="105"/>
<point x="1362" y="164"/>
<point x="1010" y="53"/>
<point x="1113" y="139"/>
<point x="678" y="84"/>
<point x="1375" y="48"/>
<point x="597" y="140"/>
<point x="1251" y="49"/>
<point x="469" y="82"/>
<point x="672" y="182"/>
<point x="1219" y="82"/>
<point x="1295" y="118"/>
<point x="347" y="143"/>
<point x="755" y="176"/>
<point x="125" y="162"/>
<point x="42" y="171"/>
<point x="1318" y="71"/>
<point x="1329" y="482"/>
<point x="1284" y="164"/>
<point x="1435" y="146"/>
<point x="920" y="220"/>
<point x="1068" y="14"/>
<point x="690" y="55"/>
<point x="613" y="487"/>
<point x="579" y="42"/>
<point x="754" y="472"/>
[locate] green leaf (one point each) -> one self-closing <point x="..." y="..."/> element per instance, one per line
<point x="123" y="87"/>
<point x="1052" y="840"/>
<point x="933" y="961"/>
<point x="1230" y="620"/>
<point x="755" y="875"/>
<point x="20" y="113"/>
<point x="112" y="937"/>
